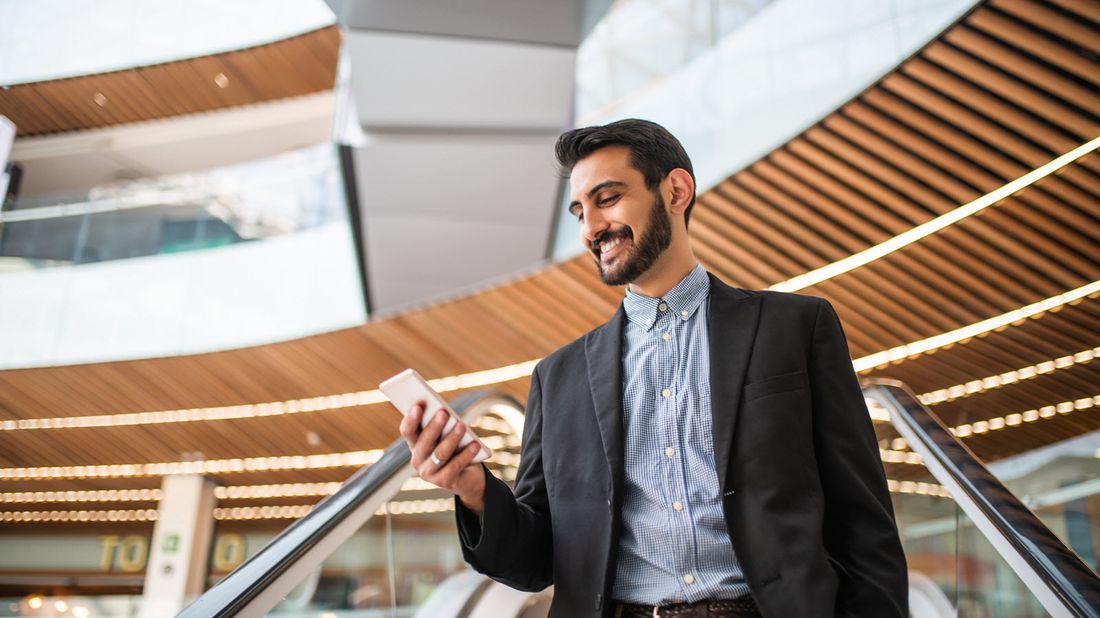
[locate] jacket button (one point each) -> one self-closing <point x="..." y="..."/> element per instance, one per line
<point x="599" y="601"/>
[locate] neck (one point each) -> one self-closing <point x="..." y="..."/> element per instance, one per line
<point x="671" y="268"/>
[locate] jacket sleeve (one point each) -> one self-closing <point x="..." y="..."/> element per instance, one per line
<point x="860" y="533"/>
<point x="512" y="542"/>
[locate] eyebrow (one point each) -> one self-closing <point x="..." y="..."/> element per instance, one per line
<point x="596" y="189"/>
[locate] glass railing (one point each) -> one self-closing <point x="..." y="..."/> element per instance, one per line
<point x="973" y="547"/>
<point x="386" y="545"/>
<point x="257" y="200"/>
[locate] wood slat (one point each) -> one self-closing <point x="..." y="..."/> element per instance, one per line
<point x="296" y="66"/>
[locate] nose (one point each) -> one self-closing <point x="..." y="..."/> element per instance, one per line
<point x="593" y="225"/>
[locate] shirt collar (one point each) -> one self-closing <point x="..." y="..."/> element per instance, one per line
<point x="682" y="301"/>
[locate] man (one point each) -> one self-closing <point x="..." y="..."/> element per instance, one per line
<point x="706" y="452"/>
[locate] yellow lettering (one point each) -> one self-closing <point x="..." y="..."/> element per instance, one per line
<point x="228" y="552"/>
<point x="134" y="552"/>
<point x="107" y="556"/>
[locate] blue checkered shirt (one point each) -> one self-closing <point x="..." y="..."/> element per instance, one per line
<point x="674" y="545"/>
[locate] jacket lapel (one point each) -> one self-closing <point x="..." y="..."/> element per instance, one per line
<point x="603" y="353"/>
<point x="732" y="319"/>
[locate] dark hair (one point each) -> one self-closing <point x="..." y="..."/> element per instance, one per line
<point x="653" y="150"/>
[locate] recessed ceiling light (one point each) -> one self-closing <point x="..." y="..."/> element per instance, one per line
<point x="100" y="99"/>
<point x="221" y="80"/>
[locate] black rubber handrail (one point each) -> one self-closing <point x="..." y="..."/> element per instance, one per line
<point x="1070" y="579"/>
<point x="241" y="586"/>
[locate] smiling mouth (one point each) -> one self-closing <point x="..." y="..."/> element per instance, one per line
<point x="607" y="245"/>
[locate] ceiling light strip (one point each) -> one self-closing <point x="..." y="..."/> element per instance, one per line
<point x="224" y="492"/>
<point x="917" y="487"/>
<point x="209" y="466"/>
<point x="916" y="348"/>
<point x="296" y="511"/>
<point x="136" y="515"/>
<point x="94" y="495"/>
<point x="271" y="408"/>
<point x="990" y="383"/>
<point x="926" y="229"/>
<point x="901" y="457"/>
<point x="1019" y="418"/>
<point x="974" y="387"/>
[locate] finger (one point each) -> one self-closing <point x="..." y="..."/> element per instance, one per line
<point x="451" y="471"/>
<point x="410" y="424"/>
<point x="429" y="437"/>
<point x="449" y="443"/>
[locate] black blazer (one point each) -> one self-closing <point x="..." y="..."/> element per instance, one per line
<point x="805" y="496"/>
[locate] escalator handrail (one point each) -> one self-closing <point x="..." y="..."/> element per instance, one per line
<point x="1060" y="569"/>
<point x="245" y="583"/>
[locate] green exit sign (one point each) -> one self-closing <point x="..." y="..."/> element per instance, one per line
<point x="171" y="543"/>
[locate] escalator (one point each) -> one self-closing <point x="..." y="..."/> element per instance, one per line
<point x="973" y="547"/>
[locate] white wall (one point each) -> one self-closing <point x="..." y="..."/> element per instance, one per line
<point x="166" y="305"/>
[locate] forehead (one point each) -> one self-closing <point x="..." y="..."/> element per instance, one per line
<point x="610" y="163"/>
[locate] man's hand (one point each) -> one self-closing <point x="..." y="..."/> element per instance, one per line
<point x="449" y="469"/>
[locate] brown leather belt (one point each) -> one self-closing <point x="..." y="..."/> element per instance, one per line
<point x="744" y="607"/>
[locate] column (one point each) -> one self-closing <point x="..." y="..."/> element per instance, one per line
<point x="180" y="550"/>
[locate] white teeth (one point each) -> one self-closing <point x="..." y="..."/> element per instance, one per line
<point x="607" y="246"/>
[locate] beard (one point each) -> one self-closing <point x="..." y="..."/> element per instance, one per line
<point x="643" y="253"/>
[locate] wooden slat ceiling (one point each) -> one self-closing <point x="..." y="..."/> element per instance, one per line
<point x="290" y="67"/>
<point x="1008" y="88"/>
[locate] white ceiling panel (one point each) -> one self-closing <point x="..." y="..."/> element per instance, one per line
<point x="506" y="177"/>
<point x="410" y="80"/>
<point x="414" y="259"/>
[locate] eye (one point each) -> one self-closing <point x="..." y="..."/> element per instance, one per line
<point x="609" y="200"/>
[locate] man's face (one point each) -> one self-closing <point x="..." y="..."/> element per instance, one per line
<point x="624" y="226"/>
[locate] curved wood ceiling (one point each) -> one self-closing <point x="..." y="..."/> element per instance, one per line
<point x="1008" y="88"/>
<point x="290" y="67"/>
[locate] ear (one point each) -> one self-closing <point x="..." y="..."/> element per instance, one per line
<point x="682" y="189"/>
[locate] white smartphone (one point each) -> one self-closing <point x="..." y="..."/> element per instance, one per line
<point x="408" y="388"/>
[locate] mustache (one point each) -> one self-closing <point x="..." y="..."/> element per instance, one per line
<point x="609" y="235"/>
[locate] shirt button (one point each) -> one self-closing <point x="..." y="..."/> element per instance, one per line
<point x="666" y="336"/>
<point x="666" y="393"/>
<point x="684" y="313"/>
<point x="670" y="451"/>
<point x="678" y="506"/>
<point x="689" y="579"/>
<point x="662" y="307"/>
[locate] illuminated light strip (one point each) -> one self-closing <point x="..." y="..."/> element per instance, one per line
<point x="905" y="457"/>
<point x="926" y="229"/>
<point x="916" y="348"/>
<point x="236" y="513"/>
<point x="282" y="490"/>
<point x="95" y="495"/>
<point x="1011" y="377"/>
<point x="78" y="516"/>
<point x="262" y="512"/>
<point x="1018" y="418"/>
<point x="210" y="466"/>
<point x="402" y="507"/>
<point x="271" y="408"/>
<point x="228" y="492"/>
<point x="917" y="487"/>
